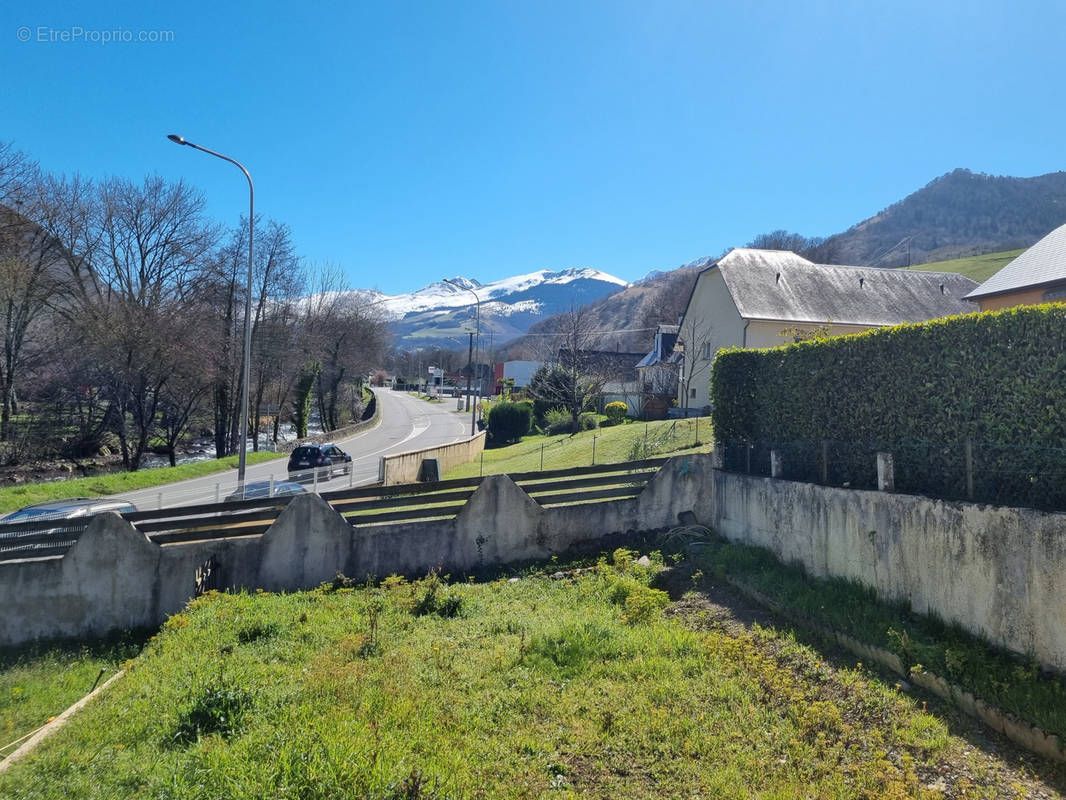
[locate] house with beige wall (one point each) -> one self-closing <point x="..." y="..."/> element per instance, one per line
<point x="765" y="298"/>
<point x="1036" y="276"/>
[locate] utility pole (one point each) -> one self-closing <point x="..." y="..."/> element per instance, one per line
<point x="469" y="376"/>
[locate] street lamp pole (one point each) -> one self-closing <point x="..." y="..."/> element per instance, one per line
<point x="477" y="347"/>
<point x="242" y="456"/>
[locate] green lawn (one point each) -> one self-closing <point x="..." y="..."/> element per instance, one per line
<point x="532" y="688"/>
<point x="13" y="497"/>
<point x="613" y="445"/>
<point x="38" y="682"/>
<point x="979" y="268"/>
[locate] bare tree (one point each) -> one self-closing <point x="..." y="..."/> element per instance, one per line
<point x="696" y="341"/>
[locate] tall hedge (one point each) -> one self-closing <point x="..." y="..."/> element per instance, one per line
<point x="920" y="391"/>
<point x="509" y="422"/>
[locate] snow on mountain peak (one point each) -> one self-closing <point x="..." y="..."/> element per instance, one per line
<point x="454" y="293"/>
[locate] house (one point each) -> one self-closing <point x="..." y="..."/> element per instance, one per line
<point x="1036" y="276"/>
<point x="613" y="374"/>
<point x="658" y="374"/>
<point x="763" y="298"/>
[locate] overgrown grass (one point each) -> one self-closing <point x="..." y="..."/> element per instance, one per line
<point x="13" y="497"/>
<point x="39" y="682"/>
<point x="613" y="445"/>
<point x="978" y="268"/>
<point x="534" y="688"/>
<point x="997" y="676"/>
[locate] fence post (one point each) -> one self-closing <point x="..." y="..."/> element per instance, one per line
<point x="271" y="492"/>
<point x="481" y="467"/>
<point x="314" y="480"/>
<point x="776" y="464"/>
<point x="825" y="462"/>
<point x="542" y="458"/>
<point x="969" y="469"/>
<point x="218" y="493"/>
<point x="697" y="442"/>
<point x="593" y="449"/>
<point x="886" y="473"/>
<point x="160" y="500"/>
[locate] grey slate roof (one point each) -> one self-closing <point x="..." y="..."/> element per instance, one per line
<point x="780" y="285"/>
<point x="663" y="347"/>
<point x="1044" y="262"/>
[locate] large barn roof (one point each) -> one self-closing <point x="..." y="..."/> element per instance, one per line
<point x="780" y="285"/>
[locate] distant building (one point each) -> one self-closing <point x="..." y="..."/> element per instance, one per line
<point x="658" y="374"/>
<point x="763" y="298"/>
<point x="1036" y="276"/>
<point x="521" y="372"/>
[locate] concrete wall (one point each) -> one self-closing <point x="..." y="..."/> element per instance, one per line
<point x="114" y="577"/>
<point x="404" y="467"/>
<point x="997" y="571"/>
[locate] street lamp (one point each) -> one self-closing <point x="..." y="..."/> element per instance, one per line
<point x="246" y="371"/>
<point x="477" y="349"/>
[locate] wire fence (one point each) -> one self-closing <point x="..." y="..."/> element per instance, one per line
<point x="979" y="471"/>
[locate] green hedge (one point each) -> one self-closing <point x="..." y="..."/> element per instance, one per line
<point x="509" y="422"/>
<point x="997" y="380"/>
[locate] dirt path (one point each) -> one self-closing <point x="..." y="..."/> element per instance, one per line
<point x="978" y="763"/>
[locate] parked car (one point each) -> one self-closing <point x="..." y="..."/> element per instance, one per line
<point x="12" y="543"/>
<point x="68" y="509"/>
<point x="325" y="460"/>
<point x="260" y="489"/>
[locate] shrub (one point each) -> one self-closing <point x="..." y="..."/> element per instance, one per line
<point x="616" y="412"/>
<point x="920" y="392"/>
<point x="509" y="422"/>
<point x="587" y="422"/>
<point x="557" y="420"/>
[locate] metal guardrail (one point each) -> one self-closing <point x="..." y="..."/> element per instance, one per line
<point x="371" y="505"/>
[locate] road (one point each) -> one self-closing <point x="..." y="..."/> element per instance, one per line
<point x="407" y="423"/>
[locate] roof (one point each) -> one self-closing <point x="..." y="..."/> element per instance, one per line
<point x="1044" y="262"/>
<point x="780" y="285"/>
<point x="621" y="366"/>
<point x="663" y="348"/>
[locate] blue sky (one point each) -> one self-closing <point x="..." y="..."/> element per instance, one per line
<point x="406" y="141"/>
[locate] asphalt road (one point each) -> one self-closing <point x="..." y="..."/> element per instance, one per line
<point x="407" y="423"/>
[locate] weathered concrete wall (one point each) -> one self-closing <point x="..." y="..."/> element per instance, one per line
<point x="997" y="571"/>
<point x="115" y="577"/>
<point x="403" y="467"/>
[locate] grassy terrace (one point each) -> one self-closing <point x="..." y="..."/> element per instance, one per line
<point x="14" y="497"/>
<point x="537" y="687"/>
<point x="978" y="268"/>
<point x="627" y="442"/>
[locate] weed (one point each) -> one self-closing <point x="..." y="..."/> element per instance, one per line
<point x="432" y="597"/>
<point x="216" y="709"/>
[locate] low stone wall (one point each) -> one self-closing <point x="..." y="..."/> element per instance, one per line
<point x="404" y="467"/>
<point x="997" y="571"/>
<point x="115" y="577"/>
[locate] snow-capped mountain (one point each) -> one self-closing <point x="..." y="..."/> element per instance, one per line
<point x="442" y="313"/>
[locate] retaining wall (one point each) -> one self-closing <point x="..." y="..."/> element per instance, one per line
<point x="115" y="577"/>
<point x="997" y="571"/>
<point x="404" y="467"/>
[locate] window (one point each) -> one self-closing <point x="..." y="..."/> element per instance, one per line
<point x="693" y="393"/>
<point x="705" y="352"/>
<point x="1058" y="293"/>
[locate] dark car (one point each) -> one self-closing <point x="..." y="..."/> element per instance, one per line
<point x="261" y="489"/>
<point x="322" y="460"/>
